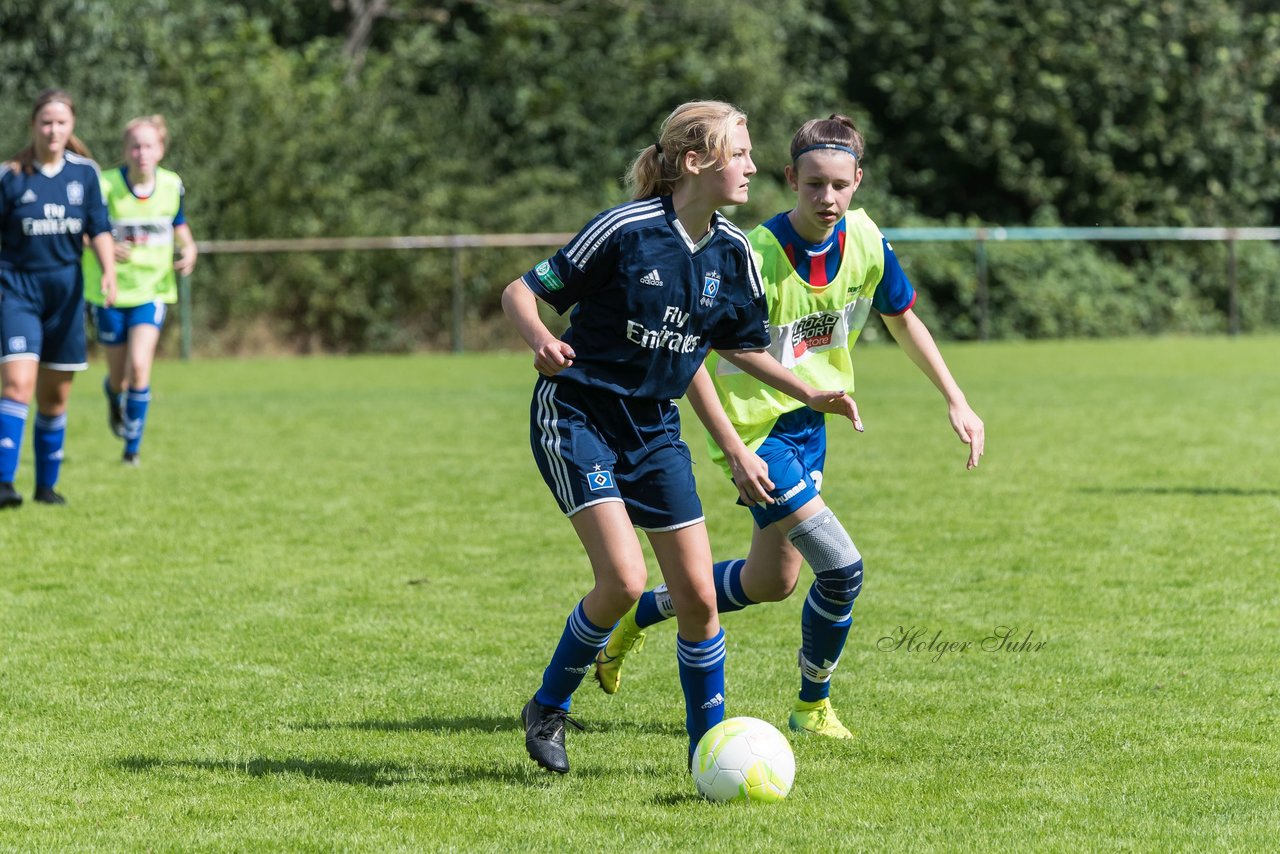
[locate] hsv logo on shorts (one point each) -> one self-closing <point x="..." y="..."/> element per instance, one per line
<point x="600" y="479"/>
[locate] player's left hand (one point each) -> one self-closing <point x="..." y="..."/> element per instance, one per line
<point x="751" y="477"/>
<point x="970" y="429"/>
<point x="108" y="289"/>
<point x="185" y="262"/>
<point x="836" y="403"/>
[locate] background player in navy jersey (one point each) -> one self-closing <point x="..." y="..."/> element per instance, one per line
<point x="823" y="267"/>
<point x="145" y="202"/>
<point x="654" y="284"/>
<point x="50" y="201"/>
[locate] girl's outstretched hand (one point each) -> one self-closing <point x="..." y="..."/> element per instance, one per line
<point x="970" y="429"/>
<point x="836" y="403"/>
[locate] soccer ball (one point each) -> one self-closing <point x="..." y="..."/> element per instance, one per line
<point x="743" y="759"/>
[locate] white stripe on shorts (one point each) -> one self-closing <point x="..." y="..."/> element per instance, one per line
<point x="550" y="441"/>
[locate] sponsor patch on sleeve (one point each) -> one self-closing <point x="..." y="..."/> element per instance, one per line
<point x="547" y="276"/>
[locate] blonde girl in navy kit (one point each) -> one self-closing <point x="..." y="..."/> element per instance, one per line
<point x="653" y="285"/>
<point x="50" y="201"/>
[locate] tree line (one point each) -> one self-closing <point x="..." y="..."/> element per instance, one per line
<point x="383" y="117"/>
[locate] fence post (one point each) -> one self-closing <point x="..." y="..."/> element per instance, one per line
<point x="984" y="311"/>
<point x="184" y="313"/>
<point x="1233" y="291"/>
<point x="459" y="300"/>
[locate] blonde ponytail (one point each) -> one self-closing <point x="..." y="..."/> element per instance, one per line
<point x="704" y="127"/>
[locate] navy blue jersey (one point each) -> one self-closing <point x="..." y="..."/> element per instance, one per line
<point x="647" y="306"/>
<point x="43" y="219"/>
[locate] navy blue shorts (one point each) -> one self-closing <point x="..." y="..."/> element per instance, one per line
<point x="42" y="317"/>
<point x="795" y="451"/>
<point x="593" y="446"/>
<point x="113" y="324"/>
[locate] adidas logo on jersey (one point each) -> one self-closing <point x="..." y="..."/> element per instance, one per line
<point x="27" y="198"/>
<point x="651" y="279"/>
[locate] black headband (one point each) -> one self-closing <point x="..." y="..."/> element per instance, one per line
<point x="828" y="146"/>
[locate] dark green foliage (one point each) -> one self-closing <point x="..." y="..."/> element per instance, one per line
<point x="465" y="117"/>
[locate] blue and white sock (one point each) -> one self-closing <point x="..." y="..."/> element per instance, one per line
<point x="655" y="605"/>
<point x="48" y="436"/>
<point x="572" y="659"/>
<point x="135" y="417"/>
<point x="824" y="628"/>
<point x="13" y="421"/>
<point x="730" y="596"/>
<point x="701" y="665"/>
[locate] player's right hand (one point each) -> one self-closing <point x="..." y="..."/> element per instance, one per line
<point x="836" y="403"/>
<point x="751" y="477"/>
<point x="553" y="357"/>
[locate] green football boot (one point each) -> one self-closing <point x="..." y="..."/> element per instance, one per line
<point x="627" y="637"/>
<point x="819" y="718"/>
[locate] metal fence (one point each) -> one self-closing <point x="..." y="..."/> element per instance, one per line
<point x="457" y="244"/>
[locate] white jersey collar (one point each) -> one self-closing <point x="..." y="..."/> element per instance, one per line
<point x="52" y="171"/>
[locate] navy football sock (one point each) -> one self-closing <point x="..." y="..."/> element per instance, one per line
<point x="13" y="421"/>
<point x="701" y="665"/>
<point x="655" y="605"/>
<point x="49" y="434"/>
<point x="824" y="628"/>
<point x="135" y="417"/>
<point x="578" y="645"/>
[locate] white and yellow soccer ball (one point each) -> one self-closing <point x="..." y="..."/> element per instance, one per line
<point x="744" y="759"/>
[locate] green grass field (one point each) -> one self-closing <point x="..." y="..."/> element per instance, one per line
<point x="310" y="619"/>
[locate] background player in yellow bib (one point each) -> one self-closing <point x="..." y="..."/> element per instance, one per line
<point x="824" y="268"/>
<point x="146" y="206"/>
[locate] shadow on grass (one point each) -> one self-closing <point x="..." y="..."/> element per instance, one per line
<point x="492" y="723"/>
<point x="352" y="773"/>
<point x="1210" y="491"/>
<point x="373" y="775"/>
<point x="474" y="723"/>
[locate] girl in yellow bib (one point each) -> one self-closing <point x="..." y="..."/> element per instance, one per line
<point x="824" y="268"/>
<point x="146" y="207"/>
